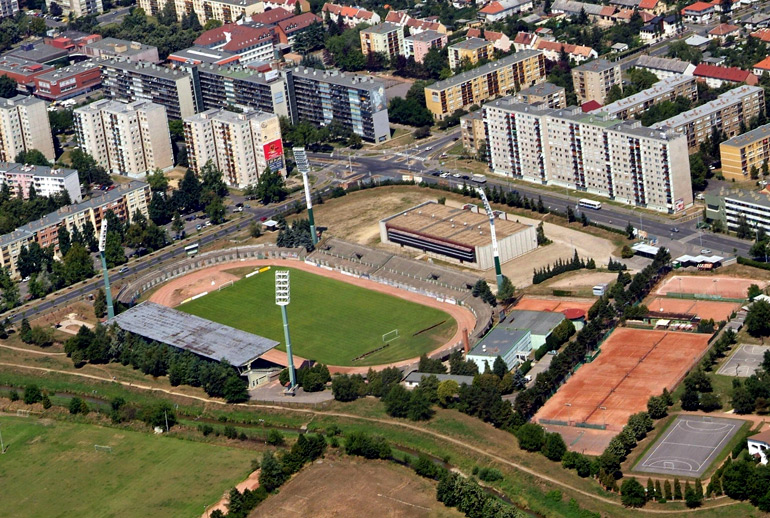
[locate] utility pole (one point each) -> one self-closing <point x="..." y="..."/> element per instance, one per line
<point x="107" y="292"/>
<point x="2" y="444"/>
<point x="491" y="215"/>
<point x="282" y="298"/>
<point x="303" y="164"/>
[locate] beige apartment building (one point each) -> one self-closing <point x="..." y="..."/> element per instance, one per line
<point x="664" y="90"/>
<point x="226" y="11"/>
<point x="621" y="160"/>
<point x="24" y="126"/>
<point x="593" y="80"/>
<point x="472" y="131"/>
<point x="725" y="114"/>
<point x="746" y="151"/>
<point x="241" y="145"/>
<point x="386" y="38"/>
<point x="130" y="139"/>
<point x="470" y="51"/>
<point x="504" y="76"/>
<point x="547" y="94"/>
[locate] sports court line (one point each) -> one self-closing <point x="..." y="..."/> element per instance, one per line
<point x="690" y="445"/>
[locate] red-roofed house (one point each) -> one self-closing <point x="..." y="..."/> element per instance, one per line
<point x="72" y="44"/>
<point x="499" y="9"/>
<point x="272" y="16"/>
<point x="287" y="30"/>
<point x="250" y="43"/>
<point x="762" y="67"/>
<point x="416" y="25"/>
<point x="715" y="76"/>
<point x="501" y="41"/>
<point x="524" y="40"/>
<point x="762" y="34"/>
<point x="723" y="31"/>
<point x="289" y="5"/>
<point x="576" y="53"/>
<point x="351" y="16"/>
<point x="648" y="5"/>
<point x="699" y="12"/>
<point x="590" y="106"/>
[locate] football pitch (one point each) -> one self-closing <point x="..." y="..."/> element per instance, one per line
<point x="52" y="469"/>
<point x="331" y="322"/>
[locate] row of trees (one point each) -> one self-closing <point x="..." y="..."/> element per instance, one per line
<point x="561" y="266"/>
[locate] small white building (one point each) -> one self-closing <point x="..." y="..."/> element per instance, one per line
<point x="759" y="445"/>
<point x="512" y="345"/>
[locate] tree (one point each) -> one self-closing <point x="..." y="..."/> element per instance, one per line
<point x="554" y="447"/>
<point x="531" y="436"/>
<point x="690" y="399"/>
<point x="270" y="188"/>
<point x="507" y="290"/>
<point x="397" y="401"/>
<point x="430" y="365"/>
<point x="32" y="157"/>
<point x="630" y="231"/>
<point x="656" y="407"/>
<point x="348" y="388"/>
<point x="113" y="250"/>
<point x="100" y="303"/>
<point x="271" y="474"/>
<point x="446" y="392"/>
<point x="32" y="395"/>
<point x="187" y="197"/>
<point x="677" y="489"/>
<point x="157" y="179"/>
<point x="419" y="405"/>
<point x="754" y="291"/>
<point x="758" y="318"/>
<point x="667" y="490"/>
<point x="632" y="493"/>
<point x="215" y="210"/>
<point x="75" y="405"/>
<point x="177" y="225"/>
<point x="8" y="87"/>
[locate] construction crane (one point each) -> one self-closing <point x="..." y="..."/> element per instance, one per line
<point x="488" y="208"/>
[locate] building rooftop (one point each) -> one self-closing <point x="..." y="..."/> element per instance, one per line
<point x="228" y="116"/>
<point x="537" y="322"/>
<point x="462" y="227"/>
<point x="760" y="437"/>
<point x="758" y="198"/>
<point x="416" y="377"/>
<point x="36" y="170"/>
<point x="499" y="342"/>
<point x="272" y="16"/>
<point x="426" y="36"/>
<point x="726" y="99"/>
<point x="140" y="67"/>
<point x="235" y="37"/>
<point x="382" y="28"/>
<point x="121" y="47"/>
<point x="197" y="335"/>
<point x="541" y="90"/>
<point x="19" y="100"/>
<point x="734" y="74"/>
<point x="361" y="81"/>
<point x="241" y="73"/>
<point x="662" y="87"/>
<point x="597" y="65"/>
<point x="484" y="69"/>
<point x="21" y="66"/>
<point x="197" y="54"/>
<point x="63" y="73"/>
<point x="668" y="64"/>
<point x="39" y="52"/>
<point x="749" y="137"/>
<point x="299" y="22"/>
<point x="470" y="44"/>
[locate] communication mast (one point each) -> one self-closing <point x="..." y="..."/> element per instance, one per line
<point x="488" y="208"/>
<point x="107" y="292"/>
<point x="303" y="164"/>
<point x="282" y="298"/>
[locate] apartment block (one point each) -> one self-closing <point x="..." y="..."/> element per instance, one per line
<point x="592" y="153"/>
<point x="47" y="181"/>
<point x="131" y="81"/>
<point x="123" y="201"/>
<point x="472" y="131"/>
<point x="386" y="38"/>
<point x="226" y="11"/>
<point x="241" y="145"/>
<point x="470" y="51"/>
<point x="725" y="114"/>
<point x="418" y="45"/>
<point x="250" y="43"/>
<point x="504" y="76"/>
<point x="548" y="94"/>
<point x="665" y="90"/>
<point x="746" y="151"/>
<point x="8" y="8"/>
<point x="358" y="102"/>
<point x="24" y="126"/>
<point x="593" y="80"/>
<point x="78" y="8"/>
<point x="728" y="205"/>
<point x="130" y="139"/>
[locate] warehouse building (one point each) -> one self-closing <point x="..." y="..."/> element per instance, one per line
<point x="540" y="324"/>
<point x="457" y="235"/>
<point x="512" y="345"/>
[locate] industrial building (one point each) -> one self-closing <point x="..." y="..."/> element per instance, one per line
<point x="66" y="82"/>
<point x="213" y="341"/>
<point x="457" y="235"/>
<point x="512" y="345"/>
<point x="746" y="151"/>
<point x="593" y="153"/>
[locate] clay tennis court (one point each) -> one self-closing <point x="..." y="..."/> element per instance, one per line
<point x="633" y="365"/>
<point x="541" y="304"/>
<point x="726" y="287"/>
<point x="705" y="309"/>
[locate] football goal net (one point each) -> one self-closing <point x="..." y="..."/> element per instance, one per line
<point x="390" y="336"/>
<point x="100" y="448"/>
<point x="225" y="285"/>
<point x="22" y="413"/>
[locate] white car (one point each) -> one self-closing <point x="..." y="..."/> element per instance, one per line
<point x="705" y="251"/>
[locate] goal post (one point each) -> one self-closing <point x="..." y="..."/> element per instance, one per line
<point x="22" y="413"/>
<point x="101" y="448"/>
<point x="390" y="336"/>
<point x="225" y="285"/>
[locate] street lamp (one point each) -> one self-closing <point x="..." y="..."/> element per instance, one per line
<point x="282" y="298"/>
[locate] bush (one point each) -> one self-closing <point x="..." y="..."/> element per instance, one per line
<point x="633" y="494"/>
<point x="369" y="447"/>
<point x="275" y="438"/>
<point x="490" y="474"/>
<point x="205" y="429"/>
<point x="230" y="432"/>
<point x="13" y="395"/>
<point x="32" y="394"/>
<point x="531" y="437"/>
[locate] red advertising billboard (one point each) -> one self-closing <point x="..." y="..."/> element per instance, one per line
<point x="273" y="149"/>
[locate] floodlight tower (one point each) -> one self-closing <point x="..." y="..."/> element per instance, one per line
<point x="282" y="298"/>
<point x="498" y="271"/>
<point x="107" y="292"/>
<point x="300" y="157"/>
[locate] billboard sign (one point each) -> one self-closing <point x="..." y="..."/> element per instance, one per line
<point x="273" y="150"/>
<point x="679" y="205"/>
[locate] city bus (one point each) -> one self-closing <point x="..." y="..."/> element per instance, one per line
<point x="192" y="249"/>
<point x="589" y="204"/>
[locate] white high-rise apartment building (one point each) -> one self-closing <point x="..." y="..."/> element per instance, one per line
<point x="24" y="126"/>
<point x="125" y="138"/>
<point x="241" y="145"/>
<point x="621" y="160"/>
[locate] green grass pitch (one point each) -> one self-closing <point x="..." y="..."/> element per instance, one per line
<point x="52" y="470"/>
<point x="330" y="321"/>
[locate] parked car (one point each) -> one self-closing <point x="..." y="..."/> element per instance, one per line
<point x="198" y="226"/>
<point x="123" y="270"/>
<point x="705" y="251"/>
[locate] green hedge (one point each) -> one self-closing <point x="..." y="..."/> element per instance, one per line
<point x="752" y="262"/>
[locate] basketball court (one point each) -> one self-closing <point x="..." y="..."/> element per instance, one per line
<point x="689" y="446"/>
<point x="541" y="304"/>
<point x="705" y="309"/>
<point x="708" y="286"/>
<point x="633" y="365"/>
<point x="745" y="361"/>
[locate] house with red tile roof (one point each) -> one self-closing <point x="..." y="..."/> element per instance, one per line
<point x="715" y="76"/>
<point x="416" y="25"/>
<point x="524" y="40"/>
<point x="648" y="5"/>
<point x="501" y="41"/>
<point x="761" y="67"/>
<point x="287" y="30"/>
<point x="250" y="43"/>
<point x="351" y="16"/>
<point x="590" y="106"/>
<point x="699" y="12"/>
<point x="723" y="31"/>
<point x="576" y="53"/>
<point x="289" y="5"/>
<point x="500" y="9"/>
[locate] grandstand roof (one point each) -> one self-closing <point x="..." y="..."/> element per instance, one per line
<point x="197" y="335"/>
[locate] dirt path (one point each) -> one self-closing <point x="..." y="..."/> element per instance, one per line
<point x="30" y="351"/>
<point x="168" y="294"/>
<point x="390" y="422"/>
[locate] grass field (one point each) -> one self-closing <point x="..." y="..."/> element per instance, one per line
<point x="51" y="469"/>
<point x="331" y="322"/>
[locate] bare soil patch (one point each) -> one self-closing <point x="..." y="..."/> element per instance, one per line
<point x="212" y="280"/>
<point x="350" y="488"/>
<point x="584" y="279"/>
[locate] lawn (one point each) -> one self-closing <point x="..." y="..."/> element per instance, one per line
<point x="331" y="322"/>
<point x="51" y="469"/>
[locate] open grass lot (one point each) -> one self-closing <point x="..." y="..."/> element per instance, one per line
<point x="51" y="469"/>
<point x="331" y="322"/>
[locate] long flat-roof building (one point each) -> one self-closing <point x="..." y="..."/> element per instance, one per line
<point x="725" y="114"/>
<point x="114" y="47"/>
<point x="507" y="75"/>
<point x="23" y="71"/>
<point x="664" y="67"/>
<point x="123" y="201"/>
<point x="66" y="82"/>
<point x="589" y="152"/>
<point x="197" y="335"/>
<point x="47" y="181"/>
<point x="540" y="324"/>
<point x="24" y="126"/>
<point x="197" y="55"/>
<point x="457" y="235"/>
<point x="667" y="89"/>
<point x="743" y="152"/>
<point x="38" y="51"/>
<point x="728" y="205"/>
<point x="512" y="345"/>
